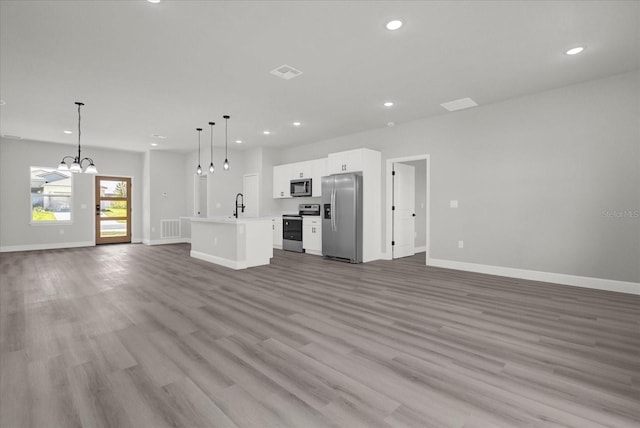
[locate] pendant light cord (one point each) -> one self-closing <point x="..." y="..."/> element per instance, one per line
<point x="226" y="121"/>
<point x="79" y="130"/>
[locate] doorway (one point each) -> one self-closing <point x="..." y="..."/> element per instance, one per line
<point x="200" y="196"/>
<point x="113" y="209"/>
<point x="421" y="207"/>
<point x="250" y="192"/>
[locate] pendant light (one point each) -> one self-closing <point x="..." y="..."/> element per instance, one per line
<point x="199" y="169"/>
<point x="76" y="166"/>
<point x="226" y="155"/>
<point x="211" y="167"/>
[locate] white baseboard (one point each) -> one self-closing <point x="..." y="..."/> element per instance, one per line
<point x="166" y="241"/>
<point x="557" y="278"/>
<point x="242" y="264"/>
<point x="34" y="247"/>
<point x="421" y="249"/>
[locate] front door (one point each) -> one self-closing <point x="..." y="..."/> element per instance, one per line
<point x="113" y="210"/>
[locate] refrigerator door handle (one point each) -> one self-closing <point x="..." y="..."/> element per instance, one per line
<point x="335" y="220"/>
<point x="333" y="210"/>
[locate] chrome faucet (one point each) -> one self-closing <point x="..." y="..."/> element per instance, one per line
<point x="241" y="206"/>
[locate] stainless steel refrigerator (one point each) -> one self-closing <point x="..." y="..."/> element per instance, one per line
<point x="342" y="217"/>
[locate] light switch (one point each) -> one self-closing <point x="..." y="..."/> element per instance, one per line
<point x="83" y="206"/>
<point x="460" y="244"/>
<point x="453" y="204"/>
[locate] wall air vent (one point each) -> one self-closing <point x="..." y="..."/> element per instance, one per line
<point x="460" y="104"/>
<point x="286" y="72"/>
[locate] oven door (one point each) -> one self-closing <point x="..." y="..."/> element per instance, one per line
<point x="292" y="233"/>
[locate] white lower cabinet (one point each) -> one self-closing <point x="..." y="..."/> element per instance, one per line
<point x="312" y="234"/>
<point x="276" y="225"/>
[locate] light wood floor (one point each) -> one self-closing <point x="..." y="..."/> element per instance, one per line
<point x="139" y="336"/>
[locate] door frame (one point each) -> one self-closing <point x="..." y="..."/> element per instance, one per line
<point x="96" y="201"/>
<point x="389" y="200"/>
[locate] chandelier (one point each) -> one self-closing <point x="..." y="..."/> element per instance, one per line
<point x="78" y="161"/>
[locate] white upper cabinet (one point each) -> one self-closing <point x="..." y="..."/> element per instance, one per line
<point x="301" y="169"/>
<point x="282" y="181"/>
<point x="318" y="170"/>
<point x="349" y="161"/>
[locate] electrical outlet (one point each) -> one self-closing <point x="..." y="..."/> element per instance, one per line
<point x="83" y="206"/>
<point x="453" y="204"/>
<point x="460" y="244"/>
<point x="61" y="231"/>
<point x="153" y="229"/>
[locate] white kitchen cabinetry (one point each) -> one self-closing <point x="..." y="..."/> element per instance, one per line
<point x="301" y="170"/>
<point x="276" y="226"/>
<point x="349" y="161"/>
<point x="283" y="174"/>
<point x="312" y="234"/>
<point x="282" y="181"/>
<point x="369" y="163"/>
<point x="318" y="170"/>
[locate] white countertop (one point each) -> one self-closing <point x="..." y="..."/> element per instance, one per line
<point x="228" y="219"/>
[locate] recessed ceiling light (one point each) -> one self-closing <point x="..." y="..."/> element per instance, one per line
<point x="153" y="1"/>
<point x="394" y="25"/>
<point x="238" y="141"/>
<point x="161" y="137"/>
<point x="2" y="102"/>
<point x="388" y="104"/>
<point x="391" y="124"/>
<point x="297" y="123"/>
<point x="266" y="132"/>
<point x="575" y="51"/>
<point x="154" y="144"/>
<point x="67" y="132"/>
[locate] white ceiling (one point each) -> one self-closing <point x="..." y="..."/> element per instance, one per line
<point x="168" y="68"/>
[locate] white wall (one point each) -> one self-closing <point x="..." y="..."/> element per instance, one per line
<point x="16" y="158"/>
<point x="167" y="199"/>
<point x="535" y="177"/>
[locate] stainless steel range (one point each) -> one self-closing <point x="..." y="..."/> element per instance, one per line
<point x="292" y="227"/>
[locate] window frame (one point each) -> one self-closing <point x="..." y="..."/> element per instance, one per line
<point x="33" y="222"/>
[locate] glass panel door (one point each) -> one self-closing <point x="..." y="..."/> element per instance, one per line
<point x="113" y="210"/>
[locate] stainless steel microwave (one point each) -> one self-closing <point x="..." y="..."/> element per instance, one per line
<point x="301" y="187"/>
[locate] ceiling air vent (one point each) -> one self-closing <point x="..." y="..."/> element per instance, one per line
<point x="286" y="72"/>
<point x="460" y="104"/>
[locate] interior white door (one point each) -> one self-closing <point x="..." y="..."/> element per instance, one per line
<point x="200" y="192"/>
<point x="404" y="201"/>
<point x="250" y="189"/>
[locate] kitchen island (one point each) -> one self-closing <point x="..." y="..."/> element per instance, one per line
<point x="234" y="243"/>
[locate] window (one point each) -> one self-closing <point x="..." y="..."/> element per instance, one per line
<point x="50" y="195"/>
